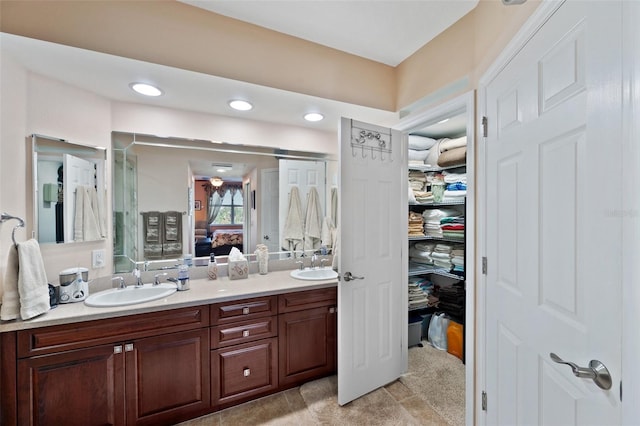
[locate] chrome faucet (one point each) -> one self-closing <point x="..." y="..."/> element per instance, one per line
<point x="156" y="278"/>
<point x="322" y="262"/>
<point x="300" y="264"/>
<point x="136" y="273"/>
<point x="314" y="259"/>
<point x="122" y="284"/>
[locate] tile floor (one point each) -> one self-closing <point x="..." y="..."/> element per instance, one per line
<point x="315" y="403"/>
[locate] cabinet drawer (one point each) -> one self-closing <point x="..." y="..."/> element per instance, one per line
<point x="59" y="338"/>
<point x="243" y="372"/>
<point x="257" y="307"/>
<point x="309" y="299"/>
<point x="243" y="331"/>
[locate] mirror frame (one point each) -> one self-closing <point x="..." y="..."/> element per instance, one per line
<point x="175" y="142"/>
<point x="43" y="145"/>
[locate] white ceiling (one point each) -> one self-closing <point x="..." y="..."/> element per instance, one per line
<point x="383" y="30"/>
<point x="386" y="31"/>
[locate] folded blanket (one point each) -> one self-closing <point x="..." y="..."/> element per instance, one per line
<point x="453" y="157"/>
<point x="450" y="144"/>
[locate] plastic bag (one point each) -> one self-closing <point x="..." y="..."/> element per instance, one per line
<point x="438" y="331"/>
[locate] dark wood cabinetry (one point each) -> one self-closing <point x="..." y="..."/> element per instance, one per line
<point x="307" y="327"/>
<point x="150" y="380"/>
<point x="165" y="367"/>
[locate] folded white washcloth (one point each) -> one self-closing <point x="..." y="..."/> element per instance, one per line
<point x="10" y="308"/>
<point x="32" y="281"/>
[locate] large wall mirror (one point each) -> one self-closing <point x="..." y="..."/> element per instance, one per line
<point x="174" y="197"/>
<point x="69" y="191"/>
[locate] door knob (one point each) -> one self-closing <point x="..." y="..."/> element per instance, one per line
<point x="596" y="371"/>
<point x="348" y="277"/>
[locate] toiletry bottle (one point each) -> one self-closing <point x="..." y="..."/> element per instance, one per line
<point x="212" y="269"/>
<point x="183" y="277"/>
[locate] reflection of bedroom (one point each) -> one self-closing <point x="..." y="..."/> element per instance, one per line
<point x="219" y="217"/>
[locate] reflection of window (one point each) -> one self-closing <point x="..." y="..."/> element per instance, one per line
<point x="231" y="211"/>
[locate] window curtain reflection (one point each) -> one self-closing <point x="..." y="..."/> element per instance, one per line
<point x="214" y="206"/>
<point x="216" y="195"/>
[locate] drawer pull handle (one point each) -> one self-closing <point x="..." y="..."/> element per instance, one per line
<point x="246" y="372"/>
<point x="128" y="347"/>
<point x="245" y="333"/>
<point x="332" y="310"/>
<point x="117" y="349"/>
<point x="245" y="311"/>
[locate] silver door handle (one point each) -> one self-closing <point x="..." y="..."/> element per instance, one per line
<point x="596" y="371"/>
<point x="348" y="277"/>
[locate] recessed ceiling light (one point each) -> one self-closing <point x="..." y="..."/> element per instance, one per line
<point x="240" y="105"/>
<point x="146" y="89"/>
<point x="313" y="116"/>
<point x="442" y="121"/>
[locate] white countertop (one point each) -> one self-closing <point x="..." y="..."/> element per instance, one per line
<point x="201" y="292"/>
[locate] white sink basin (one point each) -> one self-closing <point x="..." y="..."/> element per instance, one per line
<point x="130" y="295"/>
<point x="314" y="274"/>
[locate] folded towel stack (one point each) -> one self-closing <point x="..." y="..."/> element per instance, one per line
<point x="452" y="227"/>
<point x="452" y="300"/>
<point x="432" y="218"/>
<point x="421" y="253"/>
<point x="416" y="225"/>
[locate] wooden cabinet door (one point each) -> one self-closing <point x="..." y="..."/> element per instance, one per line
<point x="307" y="345"/>
<point x="82" y="387"/>
<point x="243" y="372"/>
<point x="168" y="377"/>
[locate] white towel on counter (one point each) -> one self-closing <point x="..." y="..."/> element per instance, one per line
<point x="10" y="308"/>
<point x="32" y="281"/>
<point x="312" y="223"/>
<point x="293" y="232"/>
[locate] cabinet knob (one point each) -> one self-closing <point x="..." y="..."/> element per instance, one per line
<point x="128" y="347"/>
<point x="332" y="310"/>
<point x="117" y="349"/>
<point x="245" y="333"/>
<point x="245" y="311"/>
<point x="246" y="372"/>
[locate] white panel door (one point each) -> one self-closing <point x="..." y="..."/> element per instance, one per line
<point x="76" y="172"/>
<point x="304" y="174"/>
<point x="269" y="199"/>
<point x="372" y="226"/>
<point x="553" y="235"/>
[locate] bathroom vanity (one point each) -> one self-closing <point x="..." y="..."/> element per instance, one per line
<point x="220" y="344"/>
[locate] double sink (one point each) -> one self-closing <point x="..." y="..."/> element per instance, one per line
<point x="133" y="295"/>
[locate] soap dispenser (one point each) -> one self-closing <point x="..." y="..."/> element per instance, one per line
<point x="212" y="269"/>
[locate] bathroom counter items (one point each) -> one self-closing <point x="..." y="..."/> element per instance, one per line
<point x="202" y="291"/>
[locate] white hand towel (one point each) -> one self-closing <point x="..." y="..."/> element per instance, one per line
<point x="32" y="281"/>
<point x="90" y="228"/>
<point x="78" y="219"/>
<point x="293" y="232"/>
<point x="326" y="232"/>
<point x="10" y="308"/>
<point x="312" y="225"/>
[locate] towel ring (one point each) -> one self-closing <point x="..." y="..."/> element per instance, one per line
<point x="5" y="217"/>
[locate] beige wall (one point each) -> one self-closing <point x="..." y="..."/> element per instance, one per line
<point x="182" y="36"/>
<point x="179" y="35"/>
<point x="462" y="52"/>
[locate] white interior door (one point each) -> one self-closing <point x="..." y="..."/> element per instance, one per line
<point x="76" y="172"/>
<point x="269" y="199"/>
<point x="553" y="157"/>
<point x="372" y="224"/>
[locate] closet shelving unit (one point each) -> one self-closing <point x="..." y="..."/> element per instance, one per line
<point x="418" y="269"/>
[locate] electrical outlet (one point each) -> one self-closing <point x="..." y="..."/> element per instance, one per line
<point x="97" y="258"/>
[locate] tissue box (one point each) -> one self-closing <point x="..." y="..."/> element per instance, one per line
<point x="238" y="269"/>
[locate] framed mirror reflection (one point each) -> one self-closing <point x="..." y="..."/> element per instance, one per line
<point x="242" y="192"/>
<point x="69" y="191"/>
